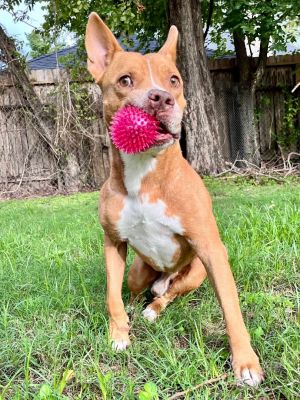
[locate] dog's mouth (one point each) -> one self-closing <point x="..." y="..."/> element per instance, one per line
<point x="164" y="135"/>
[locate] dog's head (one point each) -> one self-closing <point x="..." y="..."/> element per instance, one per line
<point x="151" y="81"/>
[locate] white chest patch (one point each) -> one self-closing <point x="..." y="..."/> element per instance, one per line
<point x="143" y="224"/>
<point x="149" y="230"/>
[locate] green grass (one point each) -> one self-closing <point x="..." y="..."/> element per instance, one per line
<point x="52" y="303"/>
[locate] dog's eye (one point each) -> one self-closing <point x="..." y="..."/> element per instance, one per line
<point x="175" y="81"/>
<point x="125" y="81"/>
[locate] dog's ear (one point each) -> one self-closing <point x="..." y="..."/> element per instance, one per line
<point x="169" y="48"/>
<point x="100" y="45"/>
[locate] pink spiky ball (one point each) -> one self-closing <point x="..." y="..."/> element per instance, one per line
<point x="133" y="130"/>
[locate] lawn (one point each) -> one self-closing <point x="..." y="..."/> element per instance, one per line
<point x="53" y="323"/>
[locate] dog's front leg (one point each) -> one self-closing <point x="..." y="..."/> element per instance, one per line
<point x="213" y="254"/>
<point x="115" y="258"/>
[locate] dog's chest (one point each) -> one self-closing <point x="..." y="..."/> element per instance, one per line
<point x="146" y="225"/>
<point x="149" y="230"/>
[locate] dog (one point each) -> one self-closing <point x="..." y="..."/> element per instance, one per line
<point x="155" y="202"/>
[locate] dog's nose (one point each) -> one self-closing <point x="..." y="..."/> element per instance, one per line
<point x="160" y="99"/>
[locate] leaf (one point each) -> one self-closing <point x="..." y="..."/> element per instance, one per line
<point x="104" y="381"/>
<point x="151" y="388"/>
<point x="145" y="396"/>
<point x="67" y="376"/>
<point x="45" y="391"/>
<point x="259" y="332"/>
<point x="149" y="393"/>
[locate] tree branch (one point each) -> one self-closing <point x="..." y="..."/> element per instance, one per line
<point x="262" y="61"/>
<point x="209" y="18"/>
<point x="249" y="47"/>
<point x="242" y="57"/>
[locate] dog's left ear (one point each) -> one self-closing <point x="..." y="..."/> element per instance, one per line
<point x="169" y="48"/>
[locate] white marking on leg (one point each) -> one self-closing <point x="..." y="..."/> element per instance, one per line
<point x="149" y="314"/>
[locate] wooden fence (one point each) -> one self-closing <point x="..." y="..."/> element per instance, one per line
<point x="26" y="163"/>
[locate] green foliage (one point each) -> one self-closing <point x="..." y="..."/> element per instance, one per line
<point x="261" y="20"/>
<point x="75" y="63"/>
<point x="104" y="381"/>
<point x="145" y="18"/>
<point x="55" y="391"/>
<point x="289" y="134"/>
<point x="45" y="392"/>
<point x="149" y="392"/>
<point x="43" y="43"/>
<point x="81" y="98"/>
<point x="9" y="5"/>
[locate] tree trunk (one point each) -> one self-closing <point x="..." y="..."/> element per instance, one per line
<point x="200" y="123"/>
<point x="248" y="141"/>
<point x="249" y="76"/>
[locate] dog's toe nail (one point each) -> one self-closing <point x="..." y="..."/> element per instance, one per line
<point x="120" y="345"/>
<point x="150" y="314"/>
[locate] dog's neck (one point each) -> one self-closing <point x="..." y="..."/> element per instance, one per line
<point x="128" y="170"/>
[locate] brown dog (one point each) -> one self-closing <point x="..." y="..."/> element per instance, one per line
<point x="156" y="202"/>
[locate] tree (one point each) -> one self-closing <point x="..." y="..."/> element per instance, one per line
<point x="248" y="21"/>
<point x="200" y="121"/>
<point x="41" y="44"/>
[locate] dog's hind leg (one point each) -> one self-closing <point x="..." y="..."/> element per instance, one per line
<point x="190" y="278"/>
<point x="140" y="277"/>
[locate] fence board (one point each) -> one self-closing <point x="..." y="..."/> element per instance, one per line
<point x="266" y="122"/>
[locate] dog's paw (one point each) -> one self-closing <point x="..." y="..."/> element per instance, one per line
<point x="118" y="333"/>
<point x="120" y="345"/>
<point x="150" y="314"/>
<point x="247" y="369"/>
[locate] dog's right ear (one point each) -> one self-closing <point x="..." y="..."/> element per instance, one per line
<point x="100" y="45"/>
